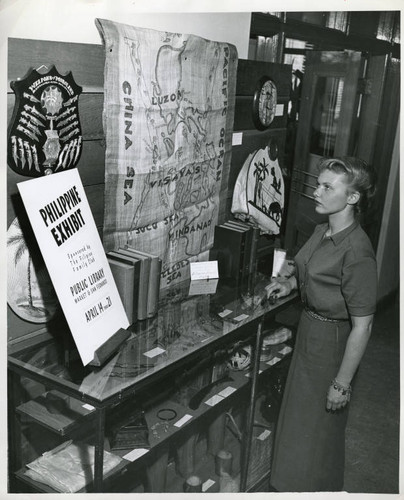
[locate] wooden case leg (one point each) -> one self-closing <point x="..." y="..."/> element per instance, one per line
<point x="185" y="456"/>
<point x="156" y="473"/>
<point x="216" y="434"/>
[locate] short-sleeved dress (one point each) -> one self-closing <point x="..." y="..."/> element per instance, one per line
<point x="337" y="279"/>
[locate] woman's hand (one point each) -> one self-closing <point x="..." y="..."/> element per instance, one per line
<point x="280" y="287"/>
<point x="337" y="396"/>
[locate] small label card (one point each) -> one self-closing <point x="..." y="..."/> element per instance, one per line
<point x="264" y="434"/>
<point x="239" y="318"/>
<point x="88" y="407"/>
<point x="273" y="361"/>
<point x="226" y="392"/>
<point x="135" y="454"/>
<point x="279" y="109"/>
<point x="285" y="350"/>
<point x="205" y="340"/>
<point x="207" y="484"/>
<point x="214" y="400"/>
<point x="249" y="374"/>
<point x="207" y="270"/>
<point x="154" y="352"/>
<point x="237" y="139"/>
<point x="225" y="313"/>
<point x="279" y="259"/>
<point x="183" y="420"/>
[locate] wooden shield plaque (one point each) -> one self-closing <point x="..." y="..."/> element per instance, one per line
<point x="45" y="133"/>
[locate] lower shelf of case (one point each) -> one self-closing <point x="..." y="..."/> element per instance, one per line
<point x="35" y="486"/>
<point x="148" y="467"/>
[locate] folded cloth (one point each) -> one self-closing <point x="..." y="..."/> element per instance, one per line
<point x="69" y="467"/>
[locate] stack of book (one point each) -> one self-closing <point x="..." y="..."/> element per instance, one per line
<point x="137" y="277"/>
<point x="235" y="249"/>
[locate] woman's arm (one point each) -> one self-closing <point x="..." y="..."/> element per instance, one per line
<point x="354" y="350"/>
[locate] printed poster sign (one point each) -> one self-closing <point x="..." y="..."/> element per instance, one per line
<point x="168" y="118"/>
<point x="64" y="227"/>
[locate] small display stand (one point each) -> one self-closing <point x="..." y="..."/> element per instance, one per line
<point x="109" y="347"/>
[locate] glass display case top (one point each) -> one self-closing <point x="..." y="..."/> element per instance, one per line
<point x="186" y="324"/>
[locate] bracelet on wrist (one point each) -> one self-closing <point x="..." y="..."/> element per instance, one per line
<point x="345" y="391"/>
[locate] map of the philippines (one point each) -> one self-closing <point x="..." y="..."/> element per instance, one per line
<point x="169" y="141"/>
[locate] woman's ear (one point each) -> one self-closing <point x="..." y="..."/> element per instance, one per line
<point x="353" y="197"/>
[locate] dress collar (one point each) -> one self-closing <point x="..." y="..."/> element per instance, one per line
<point x="341" y="235"/>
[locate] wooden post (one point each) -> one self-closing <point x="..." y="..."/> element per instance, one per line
<point x="185" y="456"/>
<point x="156" y="472"/>
<point x="99" y="450"/>
<point x="216" y="433"/>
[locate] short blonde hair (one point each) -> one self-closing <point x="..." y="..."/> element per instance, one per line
<point x="361" y="176"/>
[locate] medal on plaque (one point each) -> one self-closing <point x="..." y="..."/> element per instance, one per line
<point x="45" y="132"/>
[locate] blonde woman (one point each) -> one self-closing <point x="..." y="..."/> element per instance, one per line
<point x="337" y="280"/>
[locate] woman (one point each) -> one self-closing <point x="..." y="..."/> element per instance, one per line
<point x="336" y="277"/>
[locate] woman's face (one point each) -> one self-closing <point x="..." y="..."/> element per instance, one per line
<point x="332" y="194"/>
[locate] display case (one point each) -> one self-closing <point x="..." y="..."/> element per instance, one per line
<point x="123" y="425"/>
<point x="58" y="408"/>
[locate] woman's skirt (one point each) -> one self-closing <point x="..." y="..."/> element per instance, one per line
<point x="309" y="448"/>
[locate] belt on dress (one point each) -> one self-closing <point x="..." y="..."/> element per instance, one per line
<point x="321" y="318"/>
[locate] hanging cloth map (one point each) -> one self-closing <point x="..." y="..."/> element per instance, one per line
<point x="168" y="118"/>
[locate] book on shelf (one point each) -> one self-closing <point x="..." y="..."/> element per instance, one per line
<point x="143" y="280"/>
<point x="154" y="286"/>
<point x="228" y="249"/>
<point x="243" y="226"/>
<point x="133" y="261"/>
<point x="235" y="248"/>
<point x="256" y="233"/>
<point x="124" y="273"/>
<point x="253" y="237"/>
<point x="150" y="285"/>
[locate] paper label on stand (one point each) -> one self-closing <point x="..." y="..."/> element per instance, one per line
<point x="204" y="270"/>
<point x="225" y="313"/>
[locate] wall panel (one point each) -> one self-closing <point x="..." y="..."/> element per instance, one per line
<point x="248" y="74"/>
<point x="86" y="62"/>
<point x="87" y="65"/>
